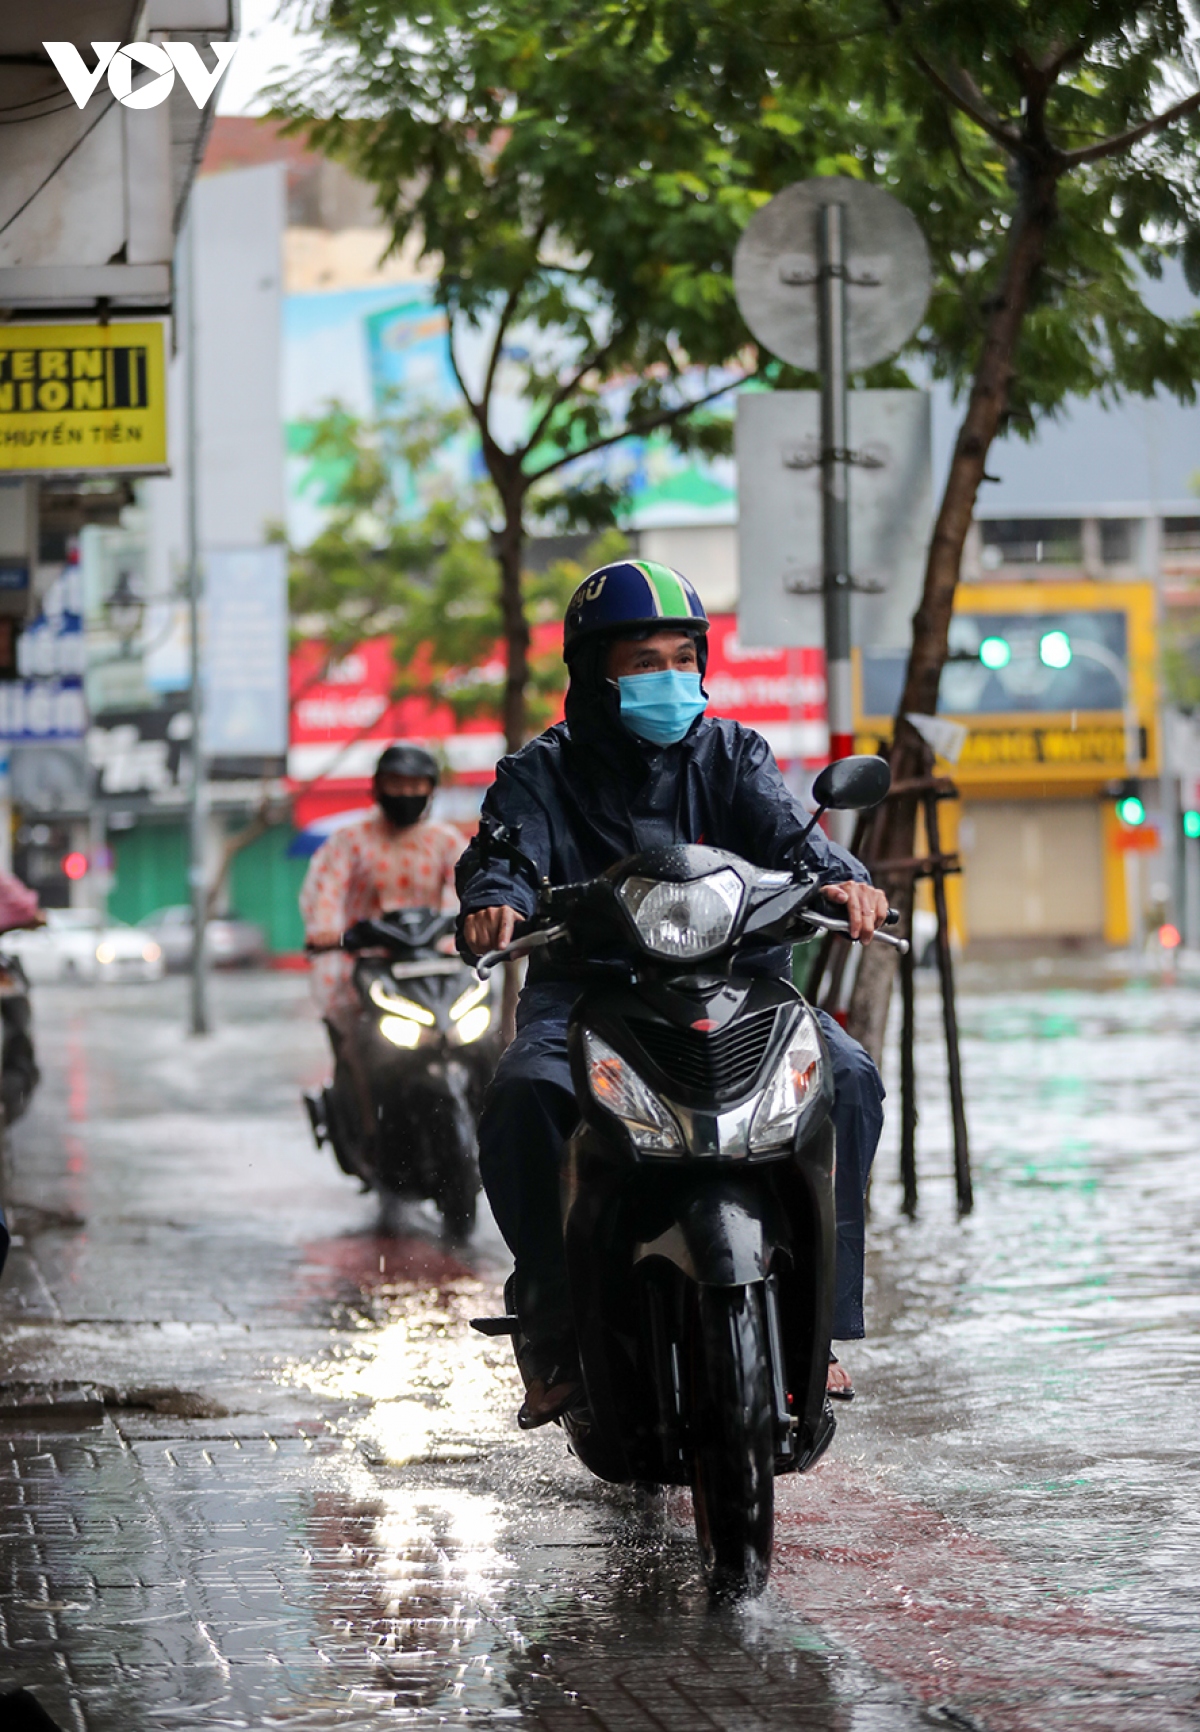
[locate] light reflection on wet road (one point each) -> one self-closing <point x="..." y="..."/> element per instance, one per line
<point x="255" y="1471"/>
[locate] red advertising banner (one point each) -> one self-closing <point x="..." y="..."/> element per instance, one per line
<point x="343" y="715"/>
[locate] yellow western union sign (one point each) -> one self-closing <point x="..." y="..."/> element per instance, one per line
<point x="82" y="397"/>
<point x="989" y="748"/>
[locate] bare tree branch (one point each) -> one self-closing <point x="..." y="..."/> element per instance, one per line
<point x="635" y="429"/>
<point x="1123" y="140"/>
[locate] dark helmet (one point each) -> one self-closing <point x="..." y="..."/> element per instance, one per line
<point x="627" y="596"/>
<point x="405" y="759"/>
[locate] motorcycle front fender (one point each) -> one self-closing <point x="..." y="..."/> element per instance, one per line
<point x="724" y="1232"/>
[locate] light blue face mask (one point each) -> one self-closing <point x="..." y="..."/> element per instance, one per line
<point x="661" y="707"/>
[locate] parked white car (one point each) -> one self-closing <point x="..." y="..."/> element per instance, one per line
<point x="81" y="944"/>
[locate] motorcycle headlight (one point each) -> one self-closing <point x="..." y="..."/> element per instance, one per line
<point x="683" y="921"/>
<point x="470" y="998"/>
<point x="473" y="1023"/>
<point x="617" y="1086"/>
<point x="382" y="995"/>
<point x="400" y="1030"/>
<point x="797" y="1079"/>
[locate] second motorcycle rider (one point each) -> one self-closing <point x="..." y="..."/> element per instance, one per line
<point x="637" y="764"/>
<point x="397" y="857"/>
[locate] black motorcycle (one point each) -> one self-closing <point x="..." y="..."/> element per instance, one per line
<point x="697" y="1194"/>
<point x="409" y="1075"/>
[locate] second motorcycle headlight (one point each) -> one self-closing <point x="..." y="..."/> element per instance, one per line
<point x="617" y="1086"/>
<point x="382" y="995"/>
<point x="797" y="1079"/>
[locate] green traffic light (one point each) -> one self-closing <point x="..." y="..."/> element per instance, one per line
<point x="1055" y="650"/>
<point x="1191" y="824"/>
<point x="1131" y="812"/>
<point x="995" y="653"/>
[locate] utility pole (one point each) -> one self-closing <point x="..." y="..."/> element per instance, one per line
<point x="832" y="275"/>
<point x="835" y="458"/>
<point x="198" y="814"/>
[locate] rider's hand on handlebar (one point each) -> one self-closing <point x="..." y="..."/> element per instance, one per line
<point x="323" y="940"/>
<point x="489" y="929"/>
<point x="866" y="908"/>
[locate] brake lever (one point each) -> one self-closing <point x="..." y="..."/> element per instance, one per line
<point x="521" y="947"/>
<point x="826" y="924"/>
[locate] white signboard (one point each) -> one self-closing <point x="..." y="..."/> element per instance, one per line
<point x="779" y="516"/>
<point x="245" y="655"/>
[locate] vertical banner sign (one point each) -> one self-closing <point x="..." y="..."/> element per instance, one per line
<point x="82" y="397"/>
<point x="246" y="653"/>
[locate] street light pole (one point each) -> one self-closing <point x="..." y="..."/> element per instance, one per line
<point x="198" y="815"/>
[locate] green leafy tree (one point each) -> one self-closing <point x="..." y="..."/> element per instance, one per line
<point x="560" y="194"/>
<point x="1048" y="149"/>
<point x="403" y="552"/>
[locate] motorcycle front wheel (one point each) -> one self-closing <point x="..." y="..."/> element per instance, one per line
<point x="732" y="1441"/>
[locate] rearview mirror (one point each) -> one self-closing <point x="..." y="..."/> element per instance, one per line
<point x="852" y="784"/>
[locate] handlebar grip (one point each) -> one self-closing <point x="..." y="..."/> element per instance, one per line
<point x="892" y="918"/>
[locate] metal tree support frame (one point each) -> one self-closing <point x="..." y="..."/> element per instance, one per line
<point x="825" y="982"/>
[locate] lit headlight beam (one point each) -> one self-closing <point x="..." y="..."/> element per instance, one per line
<point x="470" y="998"/>
<point x="379" y="994"/>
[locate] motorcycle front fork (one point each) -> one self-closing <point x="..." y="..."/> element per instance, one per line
<point x="667" y="1350"/>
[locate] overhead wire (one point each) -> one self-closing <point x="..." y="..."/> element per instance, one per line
<point x="62" y="162"/>
<point x="24" y="119"/>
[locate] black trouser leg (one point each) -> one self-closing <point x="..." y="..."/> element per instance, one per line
<point x="857" y="1123"/>
<point x="522" y="1129"/>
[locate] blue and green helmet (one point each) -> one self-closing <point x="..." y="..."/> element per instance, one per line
<point x="631" y="595"/>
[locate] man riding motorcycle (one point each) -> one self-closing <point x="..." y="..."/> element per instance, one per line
<point x="637" y="764"/>
<point x="396" y="858"/>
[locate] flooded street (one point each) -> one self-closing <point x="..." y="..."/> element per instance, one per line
<point x="256" y="1471"/>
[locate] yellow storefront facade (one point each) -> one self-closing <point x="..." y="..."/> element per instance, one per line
<point x="1055" y="685"/>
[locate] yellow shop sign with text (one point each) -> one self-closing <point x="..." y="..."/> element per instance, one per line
<point x="82" y="397"/>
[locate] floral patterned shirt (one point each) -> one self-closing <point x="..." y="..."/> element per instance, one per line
<point x="363" y="870"/>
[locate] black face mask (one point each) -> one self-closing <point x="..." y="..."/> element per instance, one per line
<point x="402" y="810"/>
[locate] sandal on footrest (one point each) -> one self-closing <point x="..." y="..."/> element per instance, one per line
<point x="846" y="1392"/>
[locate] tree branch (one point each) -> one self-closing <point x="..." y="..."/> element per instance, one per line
<point x="1062" y="56"/>
<point x="478" y="410"/>
<point x="635" y="429"/>
<point x="565" y="390"/>
<point x="961" y="90"/>
<point x="510" y="307"/>
<point x="489" y="379"/>
<point x="1123" y="140"/>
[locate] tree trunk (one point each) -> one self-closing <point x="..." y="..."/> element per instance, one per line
<point x="509" y="544"/>
<point x="988" y="401"/>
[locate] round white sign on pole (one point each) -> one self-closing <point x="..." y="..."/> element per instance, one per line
<point x="775" y="272"/>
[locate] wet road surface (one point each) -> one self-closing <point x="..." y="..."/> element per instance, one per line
<point x="256" y="1472"/>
